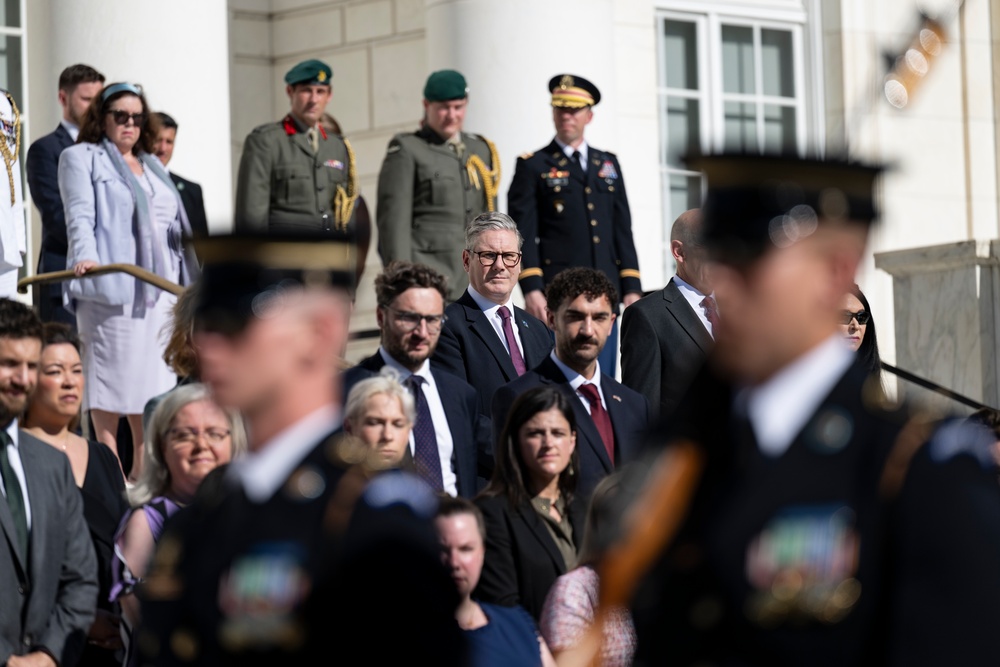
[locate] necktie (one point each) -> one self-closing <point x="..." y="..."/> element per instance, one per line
<point x="601" y="418"/>
<point x="425" y="448"/>
<point x="15" y="497"/>
<point x="711" y="312"/>
<point x="313" y="139"/>
<point x="576" y="158"/>
<point x="508" y="333"/>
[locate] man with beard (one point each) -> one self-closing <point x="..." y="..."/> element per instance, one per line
<point x="78" y="85"/>
<point x="48" y="571"/>
<point x="610" y="418"/>
<point x="443" y="442"/>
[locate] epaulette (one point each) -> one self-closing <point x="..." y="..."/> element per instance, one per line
<point x="525" y="156"/>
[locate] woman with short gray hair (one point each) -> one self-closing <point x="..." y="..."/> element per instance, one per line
<point x="380" y="413"/>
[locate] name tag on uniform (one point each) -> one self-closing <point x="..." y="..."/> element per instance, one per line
<point x="556" y="178"/>
<point x="336" y="164"/>
<point x="608" y="171"/>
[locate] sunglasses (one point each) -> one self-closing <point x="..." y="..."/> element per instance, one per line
<point x="122" y="117"/>
<point x="861" y="316"/>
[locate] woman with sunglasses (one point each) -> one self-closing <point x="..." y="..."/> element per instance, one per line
<point x="121" y="207"/>
<point x="858" y="328"/>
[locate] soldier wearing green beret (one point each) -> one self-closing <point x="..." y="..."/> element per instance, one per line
<point x="433" y="182"/>
<point x="294" y="176"/>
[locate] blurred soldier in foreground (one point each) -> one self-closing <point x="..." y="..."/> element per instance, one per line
<point x="264" y="568"/>
<point x="824" y="527"/>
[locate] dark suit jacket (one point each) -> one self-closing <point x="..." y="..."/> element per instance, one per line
<point x="468" y="432"/>
<point x="628" y="410"/>
<point x="522" y="561"/>
<point x="470" y="349"/>
<point x="194" y="205"/>
<point x="47" y="602"/>
<point x="578" y="218"/>
<point x="664" y="344"/>
<point x="42" y="167"/>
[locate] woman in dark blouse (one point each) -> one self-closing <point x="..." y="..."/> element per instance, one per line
<point x="51" y="415"/>
<point x="533" y="523"/>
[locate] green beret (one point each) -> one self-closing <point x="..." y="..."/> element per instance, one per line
<point x="445" y="85"/>
<point x="313" y="72"/>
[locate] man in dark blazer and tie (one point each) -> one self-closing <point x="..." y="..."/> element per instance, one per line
<point x="48" y="571"/>
<point x="487" y="340"/>
<point x="190" y="191"/>
<point x="448" y="429"/>
<point x="667" y="335"/>
<point x="611" y="419"/>
<point x="78" y="85"/>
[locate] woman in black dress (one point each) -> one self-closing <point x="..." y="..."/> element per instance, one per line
<point x="533" y="522"/>
<point x="52" y="415"/>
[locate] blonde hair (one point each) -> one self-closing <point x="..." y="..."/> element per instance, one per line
<point x="386" y="382"/>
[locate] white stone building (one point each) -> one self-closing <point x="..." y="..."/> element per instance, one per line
<point x="674" y="74"/>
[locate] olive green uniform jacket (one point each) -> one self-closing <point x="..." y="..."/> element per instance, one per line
<point x="283" y="186"/>
<point x="426" y="197"/>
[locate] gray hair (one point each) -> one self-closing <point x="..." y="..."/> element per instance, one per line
<point x="154" y="480"/>
<point x="491" y="221"/>
<point x="387" y="382"/>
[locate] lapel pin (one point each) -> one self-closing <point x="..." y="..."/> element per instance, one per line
<point x="524" y="323"/>
<point x="616" y="397"/>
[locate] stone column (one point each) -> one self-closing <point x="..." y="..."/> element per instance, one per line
<point x="947" y="313"/>
<point x="179" y="52"/>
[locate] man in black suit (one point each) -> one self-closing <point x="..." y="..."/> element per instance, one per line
<point x="826" y="526"/>
<point x="190" y="191"/>
<point x="78" y="86"/>
<point x="667" y="335"/>
<point x="476" y="342"/>
<point x="611" y="419"/>
<point x="263" y="570"/>
<point x="570" y="204"/>
<point x="448" y="429"/>
<point x="48" y="571"/>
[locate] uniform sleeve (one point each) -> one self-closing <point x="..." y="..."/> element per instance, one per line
<point x="394" y="212"/>
<point x="498" y="581"/>
<point x="77" y="191"/>
<point x="628" y="261"/>
<point x="522" y="206"/>
<point x="642" y="367"/>
<point x="42" y="170"/>
<point x="253" y="185"/>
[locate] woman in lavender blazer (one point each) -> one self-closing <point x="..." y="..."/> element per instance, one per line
<point x="121" y="206"/>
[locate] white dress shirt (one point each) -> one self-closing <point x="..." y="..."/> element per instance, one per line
<point x="491" y="311"/>
<point x="442" y="431"/>
<point x="14" y="458"/>
<point x="694" y="297"/>
<point x="264" y="471"/>
<point x="74" y="131"/>
<point x="779" y="408"/>
<point x="569" y="150"/>
<point x="576" y="380"/>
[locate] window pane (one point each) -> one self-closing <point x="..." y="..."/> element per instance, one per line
<point x="776" y="62"/>
<point x="685" y="193"/>
<point x="680" y="51"/>
<point x="683" y="129"/>
<point x="10" y="13"/>
<point x="10" y="67"/>
<point x="779" y="128"/>
<point x="737" y="59"/>
<point x="741" y="126"/>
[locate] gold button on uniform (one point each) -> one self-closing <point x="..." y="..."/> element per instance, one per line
<point x="593" y="223"/>
<point x="597" y="239"/>
<point x="611" y="188"/>
<point x="548" y="261"/>
<point x="587" y="189"/>
<point x="590" y="206"/>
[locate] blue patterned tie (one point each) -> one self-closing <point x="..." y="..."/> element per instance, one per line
<point x="15" y="497"/>
<point x="425" y="455"/>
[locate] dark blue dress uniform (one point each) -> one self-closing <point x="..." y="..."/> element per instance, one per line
<point x="570" y="218"/>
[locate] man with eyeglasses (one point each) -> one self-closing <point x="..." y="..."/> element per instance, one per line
<point x="448" y="429"/>
<point x="571" y="197"/>
<point x="611" y="419"/>
<point x="487" y="340"/>
<point x="293" y="175"/>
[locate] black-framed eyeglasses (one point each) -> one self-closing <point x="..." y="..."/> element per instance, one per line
<point x="489" y="258"/>
<point x="861" y="316"/>
<point x="122" y="117"/>
<point x="408" y="321"/>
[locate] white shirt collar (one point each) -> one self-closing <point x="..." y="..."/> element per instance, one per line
<point x="574" y="378"/>
<point x="424" y="371"/>
<point x="694" y="298"/>
<point x="263" y="472"/>
<point x="12" y="430"/>
<point x="488" y="306"/>
<point x="569" y="150"/>
<point x="74" y="131"/>
<point x="779" y="408"/>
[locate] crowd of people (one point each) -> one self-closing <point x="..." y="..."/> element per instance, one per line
<point x="746" y="494"/>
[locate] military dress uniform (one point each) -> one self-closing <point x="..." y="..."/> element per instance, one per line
<point x="429" y="189"/>
<point x="285" y="185"/>
<point x="12" y="227"/>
